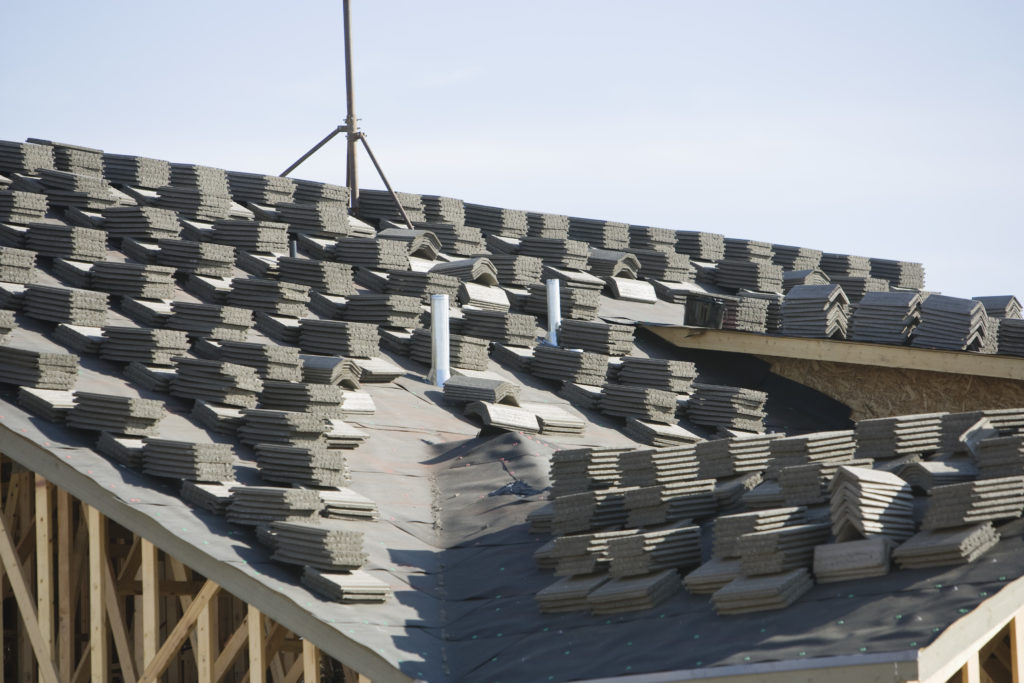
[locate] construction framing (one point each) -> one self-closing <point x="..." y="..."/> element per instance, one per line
<point x="85" y="599"/>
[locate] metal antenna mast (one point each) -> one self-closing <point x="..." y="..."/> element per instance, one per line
<point x="353" y="134"/>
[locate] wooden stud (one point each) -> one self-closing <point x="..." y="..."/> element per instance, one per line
<point x="65" y="606"/>
<point x="232" y="648"/>
<point x="179" y="634"/>
<point x="295" y="672"/>
<point x="971" y="671"/>
<point x="206" y="639"/>
<point x="115" y="617"/>
<point x="26" y="605"/>
<point x="99" y="659"/>
<point x="44" y="562"/>
<point x="257" y="655"/>
<point x="310" y="662"/>
<point x="150" y="602"/>
<point x="1017" y="647"/>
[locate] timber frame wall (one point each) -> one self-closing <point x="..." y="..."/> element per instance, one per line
<point x="84" y="599"/>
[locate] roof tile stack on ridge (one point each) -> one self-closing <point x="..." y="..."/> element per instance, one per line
<point x="316" y="191"/>
<point x="126" y="344"/>
<point x="438" y="209"/>
<point x="332" y="370"/>
<point x="419" y="243"/>
<point x="128" y="169"/>
<point x="462" y="389"/>
<point x="820" y="311"/>
<point x="517" y="270"/>
<point x="39" y="369"/>
<point x="795" y="258"/>
<point x="643" y="237"/>
<point x="140" y="222"/>
<point x="493" y="220"/>
<point x="216" y="382"/>
<point x="885" y="317"/>
<point x="599" y="233"/>
<point x="747" y="250"/>
<point x="758" y="275"/>
<point x="1011" y="337"/>
<point x="478" y="269"/>
<point x="654" y="466"/>
<point x="845" y="265"/>
<point x="1001" y="306"/>
<point x="902" y="274"/>
<point x="367" y="252"/>
<point x="117" y="414"/>
<point x="793" y="278"/>
<point x="25" y="157"/>
<point x="133" y="280"/>
<point x="745" y="313"/>
<point x="65" y="305"/>
<point x="22" y="208"/>
<point x="865" y="502"/>
<point x="66" y="241"/>
<point x="74" y="158"/>
<point x="188" y="461"/>
<point x="462" y="240"/>
<point x="702" y="246"/>
<point x="662" y="265"/>
<point x="259" y="189"/>
<point x="251" y="235"/>
<point x="323" y="218"/>
<point x="559" y="253"/>
<point x="577" y="470"/>
<point x="350" y="339"/>
<point x="892" y="437"/>
<point x="307" y="465"/>
<point x="548" y="225"/>
<point x="253" y="505"/>
<point x="715" y="405"/>
<point x="422" y="285"/>
<point x="607" y="263"/>
<point x="378" y="204"/>
<point x="210" y="321"/>
<point x="856" y="288"/>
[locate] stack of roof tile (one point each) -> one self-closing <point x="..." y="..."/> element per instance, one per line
<point x="581" y="367"/>
<point x="390" y="310"/>
<point x="845" y="265"/>
<point x="760" y="276"/>
<point x="503" y="417"/>
<point x="795" y="258"/>
<point x="74" y="158"/>
<point x="466" y="352"/>
<point x="65" y="305"/>
<point x="17" y="265"/>
<point x="729" y="529"/>
<point x="1004" y="306"/>
<point x="315" y="218"/>
<point x="260" y="189"/>
<point x="728" y="457"/>
<point x="856" y="288"/>
<point x="187" y="461"/>
<point x="517" y="269"/>
<point x="577" y="303"/>
<point x="316" y="191"/>
<point x="438" y="209"/>
<point x="642" y="237"/>
<point x="745" y="313"/>
<point x="133" y="280"/>
<point x="197" y="192"/>
<point x="202" y="258"/>
<point x="302" y="465"/>
<point x="782" y="549"/>
<point x="886" y="317"/>
<point x="477" y="269"/>
<point x="971" y="502"/>
<point x="348" y="587"/>
<point x="50" y="404"/>
<point x="669" y="375"/>
<point x="324" y="545"/>
<point x="463" y="240"/>
<point x="650" y="551"/>
<point x="722" y="406"/>
<point x="595" y="336"/>
<point x="259" y="236"/>
<point x="371" y="253"/>
<point x="820" y="311"/>
<point x="269" y="296"/>
<point x="508" y="328"/>
<point x="65" y="241"/>
<point x="39" y="369"/>
<point x="462" y="389"/>
<point x="662" y="265"/>
<point x="127" y="169"/>
<point x="377" y="204"/>
<point x="563" y="253"/>
<point x="358" y="340"/>
<point x="270" y="360"/>
<point x="25" y="157"/>
<point x="746" y="594"/>
<point x="142" y="345"/>
<point x="866" y="502"/>
<point x="118" y="414"/>
<point x="210" y="321"/>
<point x="216" y="382"/>
<point x="793" y="278"/>
<point x="950" y="323"/>
<point x="22" y="207"/>
<point x="829" y="449"/>
<point x="63" y="188"/>
<point x="852" y="559"/>
<point x="893" y="437"/>
<point x="492" y="220"/>
<point x="548" y="225"/>
<point x="644" y="403"/>
<point x="650" y="467"/>
<point x="252" y="505"/>
<point x="598" y="233"/>
<point x="1011" y="337"/>
<point x="140" y="222"/>
<point x="421" y="285"/>
<point x="943" y="547"/>
<point x="902" y="274"/>
<point x="323" y="276"/>
<point x="607" y="263"/>
<point x="704" y="246"/>
<point x="290" y="428"/>
<point x="747" y="250"/>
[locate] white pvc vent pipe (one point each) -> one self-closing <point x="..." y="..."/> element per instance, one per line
<point x="554" y="311"/>
<point x="440" y="369"/>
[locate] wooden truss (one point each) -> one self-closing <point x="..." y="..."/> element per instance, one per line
<point x="84" y="599"/>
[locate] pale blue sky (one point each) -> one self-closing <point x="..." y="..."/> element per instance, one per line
<point x="891" y="129"/>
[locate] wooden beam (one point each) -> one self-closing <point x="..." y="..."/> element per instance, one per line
<point x="276" y="635"/>
<point x="310" y="662"/>
<point x="294" y="674"/>
<point x="44" y="562"/>
<point x="99" y="658"/>
<point x="206" y="640"/>
<point x="118" y="628"/>
<point x="150" y="601"/>
<point x="229" y="654"/>
<point x="257" y="654"/>
<point x="857" y="353"/>
<point x="1017" y="647"/>
<point x="971" y="671"/>
<point x="177" y="637"/>
<point x="26" y="605"/>
<point x="132" y="561"/>
<point x="65" y="599"/>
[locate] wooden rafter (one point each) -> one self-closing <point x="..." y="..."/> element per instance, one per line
<point x="176" y="638"/>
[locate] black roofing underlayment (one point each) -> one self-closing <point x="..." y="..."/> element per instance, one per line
<point x="157" y="332"/>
